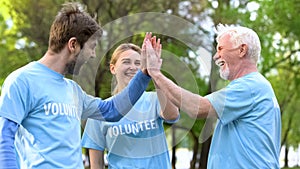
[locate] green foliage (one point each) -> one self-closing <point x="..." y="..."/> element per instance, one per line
<point x="280" y="62"/>
<point x="10" y="58"/>
<point x="279" y="33"/>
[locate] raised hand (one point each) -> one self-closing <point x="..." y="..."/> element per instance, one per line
<point x="153" y="55"/>
<point x="156" y="45"/>
<point x="148" y="36"/>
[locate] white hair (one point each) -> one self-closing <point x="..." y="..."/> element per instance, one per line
<point x="241" y="35"/>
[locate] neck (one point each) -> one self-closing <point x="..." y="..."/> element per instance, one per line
<point x="243" y="70"/>
<point x="54" y="61"/>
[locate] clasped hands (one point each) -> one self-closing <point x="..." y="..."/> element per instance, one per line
<point x="151" y="55"/>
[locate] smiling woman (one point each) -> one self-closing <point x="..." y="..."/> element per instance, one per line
<point x="138" y="139"/>
<point x="125" y="62"/>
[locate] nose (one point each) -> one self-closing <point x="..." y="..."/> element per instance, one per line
<point x="216" y="56"/>
<point x="133" y="66"/>
<point x="93" y="54"/>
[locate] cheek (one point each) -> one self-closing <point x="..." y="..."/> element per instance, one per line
<point x="89" y="53"/>
<point x="120" y="70"/>
<point x="228" y="58"/>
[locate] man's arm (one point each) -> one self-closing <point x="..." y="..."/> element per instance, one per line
<point x="8" y="130"/>
<point x="194" y="105"/>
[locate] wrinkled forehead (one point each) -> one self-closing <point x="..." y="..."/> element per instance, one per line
<point x="224" y="39"/>
<point x="227" y="35"/>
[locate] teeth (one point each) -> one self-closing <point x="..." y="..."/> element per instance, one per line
<point x="130" y="74"/>
<point x="220" y="63"/>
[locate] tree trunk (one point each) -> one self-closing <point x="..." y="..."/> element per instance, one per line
<point x="173" y="148"/>
<point x="195" y="153"/>
<point x="204" y="153"/>
<point x="286" y="158"/>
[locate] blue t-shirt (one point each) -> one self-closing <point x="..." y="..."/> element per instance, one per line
<point x="247" y="133"/>
<point x="136" y="141"/>
<point x="49" y="109"/>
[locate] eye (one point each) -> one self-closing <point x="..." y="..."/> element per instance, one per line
<point x="126" y="62"/>
<point x="138" y="63"/>
<point x="219" y="48"/>
<point x="93" y="46"/>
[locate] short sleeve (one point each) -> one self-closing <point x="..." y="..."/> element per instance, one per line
<point x="93" y="136"/>
<point x="232" y="102"/>
<point x="14" y="101"/>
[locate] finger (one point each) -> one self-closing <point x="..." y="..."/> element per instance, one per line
<point x="143" y="53"/>
<point x="148" y="35"/>
<point x="158" y="47"/>
<point x="153" y="41"/>
<point x="145" y="38"/>
<point x="143" y="50"/>
<point x="143" y="57"/>
<point x="149" y="48"/>
<point x="158" y="51"/>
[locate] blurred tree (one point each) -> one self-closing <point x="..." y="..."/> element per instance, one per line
<point x="127" y="21"/>
<point x="10" y="58"/>
<point x="280" y="61"/>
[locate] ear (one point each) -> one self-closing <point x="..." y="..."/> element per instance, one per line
<point x="243" y="50"/>
<point x="112" y="69"/>
<point x="73" y="44"/>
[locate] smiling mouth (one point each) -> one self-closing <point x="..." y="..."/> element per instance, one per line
<point x="130" y="74"/>
<point x="220" y="63"/>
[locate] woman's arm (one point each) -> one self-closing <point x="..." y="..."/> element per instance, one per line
<point x="96" y="159"/>
<point x="169" y="111"/>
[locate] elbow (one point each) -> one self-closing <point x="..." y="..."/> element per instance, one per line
<point x="202" y="114"/>
<point x="171" y="115"/>
<point x="174" y="116"/>
<point x="197" y="114"/>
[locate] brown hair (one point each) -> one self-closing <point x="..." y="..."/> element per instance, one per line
<point x="72" y="21"/>
<point x="116" y="55"/>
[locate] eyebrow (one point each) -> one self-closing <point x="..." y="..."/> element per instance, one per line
<point x="218" y="47"/>
<point x="129" y="59"/>
<point x="125" y="59"/>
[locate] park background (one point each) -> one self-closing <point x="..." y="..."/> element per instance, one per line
<point x="24" y="35"/>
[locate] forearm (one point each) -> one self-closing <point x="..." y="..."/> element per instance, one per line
<point x="123" y="101"/>
<point x="96" y="159"/>
<point x="194" y="105"/>
<point x="169" y="111"/>
<point x="8" y="130"/>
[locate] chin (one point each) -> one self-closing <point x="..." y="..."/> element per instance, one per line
<point x="224" y="74"/>
<point x="73" y="70"/>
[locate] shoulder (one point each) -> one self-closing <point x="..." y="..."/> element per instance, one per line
<point x="149" y="96"/>
<point x="255" y="82"/>
<point x="18" y="76"/>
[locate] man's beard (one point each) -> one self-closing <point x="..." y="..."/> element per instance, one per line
<point x="73" y="68"/>
<point x="225" y="73"/>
